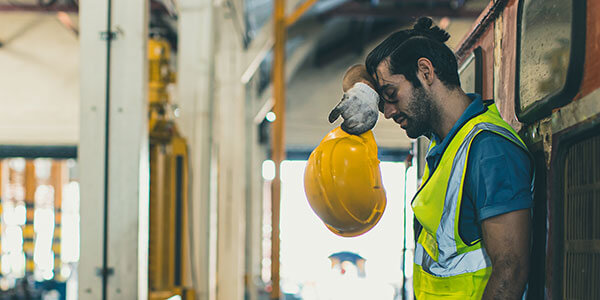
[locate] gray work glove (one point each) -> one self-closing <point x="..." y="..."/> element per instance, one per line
<point x="359" y="109"/>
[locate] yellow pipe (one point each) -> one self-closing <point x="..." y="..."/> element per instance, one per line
<point x="58" y="179"/>
<point x="278" y="141"/>
<point x="294" y="16"/>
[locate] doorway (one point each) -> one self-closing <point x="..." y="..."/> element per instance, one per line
<point x="308" y="268"/>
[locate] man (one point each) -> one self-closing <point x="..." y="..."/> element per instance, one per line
<point x="474" y="203"/>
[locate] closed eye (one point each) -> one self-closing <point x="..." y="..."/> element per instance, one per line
<point x="389" y="95"/>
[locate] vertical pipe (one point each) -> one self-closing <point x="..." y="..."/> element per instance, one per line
<point x="278" y="141"/>
<point x="28" y="231"/>
<point x="1" y="201"/>
<point x="104" y="272"/>
<point x="403" y="289"/>
<point x="58" y="179"/>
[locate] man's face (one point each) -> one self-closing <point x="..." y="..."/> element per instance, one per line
<point x="408" y="106"/>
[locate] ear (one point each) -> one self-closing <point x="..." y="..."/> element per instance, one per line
<point x="426" y="70"/>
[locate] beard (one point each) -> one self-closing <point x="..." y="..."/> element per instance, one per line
<point x="422" y="114"/>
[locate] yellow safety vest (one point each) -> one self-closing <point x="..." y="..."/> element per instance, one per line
<point x="445" y="266"/>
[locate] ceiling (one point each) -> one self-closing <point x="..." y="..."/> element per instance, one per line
<point x="39" y="82"/>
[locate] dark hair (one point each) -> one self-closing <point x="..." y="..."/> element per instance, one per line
<point x="405" y="47"/>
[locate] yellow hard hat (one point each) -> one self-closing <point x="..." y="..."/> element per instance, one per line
<point x="342" y="182"/>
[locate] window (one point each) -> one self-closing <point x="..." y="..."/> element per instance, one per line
<point x="39" y="236"/>
<point x="470" y="73"/>
<point x="307" y="271"/>
<point x="550" y="49"/>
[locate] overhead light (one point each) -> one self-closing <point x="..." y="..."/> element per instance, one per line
<point x="444" y="23"/>
<point x="271" y="116"/>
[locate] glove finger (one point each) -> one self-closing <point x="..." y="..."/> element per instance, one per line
<point x="351" y="125"/>
<point x="360" y="124"/>
<point x="346" y="129"/>
<point x="351" y="122"/>
<point x="337" y="110"/>
<point x="355" y="128"/>
<point x="334" y="114"/>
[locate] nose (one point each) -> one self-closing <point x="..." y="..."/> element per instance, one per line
<point x="389" y="110"/>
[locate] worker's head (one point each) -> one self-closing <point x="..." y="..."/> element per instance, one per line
<point x="412" y="68"/>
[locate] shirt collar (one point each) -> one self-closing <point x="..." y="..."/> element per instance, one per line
<point x="476" y="107"/>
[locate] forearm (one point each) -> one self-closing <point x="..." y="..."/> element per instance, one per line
<point x="357" y="73"/>
<point x="507" y="280"/>
<point x="506" y="240"/>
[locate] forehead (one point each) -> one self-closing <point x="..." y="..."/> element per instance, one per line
<point x="383" y="71"/>
<point x="384" y="76"/>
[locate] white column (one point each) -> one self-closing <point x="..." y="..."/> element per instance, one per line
<point x="91" y="152"/>
<point x="127" y="167"/>
<point x="253" y="202"/>
<point x="128" y="152"/>
<point x="195" y="95"/>
<point x="230" y="123"/>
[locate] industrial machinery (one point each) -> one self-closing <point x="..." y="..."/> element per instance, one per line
<point x="169" y="235"/>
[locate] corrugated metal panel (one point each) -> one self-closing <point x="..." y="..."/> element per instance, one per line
<point x="582" y="221"/>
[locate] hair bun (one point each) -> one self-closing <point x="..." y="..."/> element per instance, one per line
<point x="423" y="28"/>
<point x="423" y="23"/>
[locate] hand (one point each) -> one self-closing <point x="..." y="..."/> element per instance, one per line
<point x="359" y="109"/>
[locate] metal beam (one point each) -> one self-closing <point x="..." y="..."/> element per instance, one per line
<point x="357" y="10"/>
<point x="258" y="59"/>
<point x="295" y="15"/>
<point x="280" y="24"/>
<point x="37" y="151"/>
<point x="70" y="8"/>
<point x="278" y="139"/>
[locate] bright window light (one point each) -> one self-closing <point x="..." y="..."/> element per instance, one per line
<point x="310" y="268"/>
<point x="17" y="164"/>
<point x="43" y="168"/>
<point x="268" y="170"/>
<point x="70" y="223"/>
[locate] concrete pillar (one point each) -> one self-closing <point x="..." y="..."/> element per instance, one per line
<point x="113" y="150"/>
<point x="217" y="112"/>
<point x="229" y="131"/>
<point x="255" y="155"/>
<point x="195" y="98"/>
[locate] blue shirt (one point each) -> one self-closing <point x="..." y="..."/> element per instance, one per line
<point x="498" y="178"/>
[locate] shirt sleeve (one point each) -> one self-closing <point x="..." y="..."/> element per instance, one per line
<point x="499" y="176"/>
